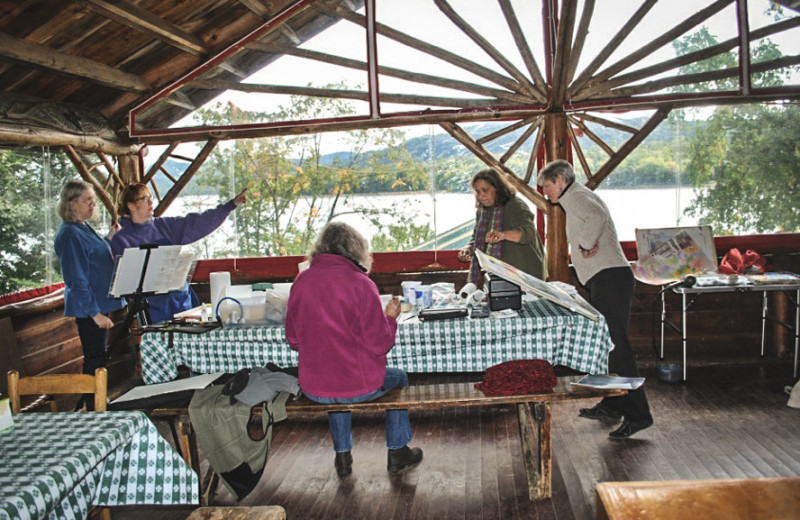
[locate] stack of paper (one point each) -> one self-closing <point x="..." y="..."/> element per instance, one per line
<point x="611" y="382"/>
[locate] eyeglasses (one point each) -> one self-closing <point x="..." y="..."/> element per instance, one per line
<point x="88" y="202"/>
<point x="146" y="198"/>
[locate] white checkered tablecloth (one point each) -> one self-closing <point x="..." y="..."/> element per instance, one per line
<point x="541" y="330"/>
<point x="59" y="465"/>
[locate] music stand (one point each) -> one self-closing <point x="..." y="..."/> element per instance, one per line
<point x="148" y="270"/>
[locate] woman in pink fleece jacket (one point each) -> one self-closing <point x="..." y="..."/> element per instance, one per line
<point x="342" y="334"/>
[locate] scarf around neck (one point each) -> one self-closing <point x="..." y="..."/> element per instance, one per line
<point x="489" y="219"/>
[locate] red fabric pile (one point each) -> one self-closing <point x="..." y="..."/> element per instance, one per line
<point x="734" y="262"/>
<point x="519" y="377"/>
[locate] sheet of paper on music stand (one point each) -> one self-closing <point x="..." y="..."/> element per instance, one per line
<point x="168" y="269"/>
<point x="532" y="285"/>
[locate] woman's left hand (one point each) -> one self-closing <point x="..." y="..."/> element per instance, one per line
<point x="241" y="198"/>
<point x="114" y="228"/>
<point x="494" y="237"/>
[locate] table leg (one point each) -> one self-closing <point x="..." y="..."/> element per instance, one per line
<point x="663" y="318"/>
<point x="683" y="333"/>
<point x="763" y="320"/>
<point x="796" y="329"/>
<point x="537" y="417"/>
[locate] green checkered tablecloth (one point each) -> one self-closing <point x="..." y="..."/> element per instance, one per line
<point x="59" y="465"/>
<point x="541" y="330"/>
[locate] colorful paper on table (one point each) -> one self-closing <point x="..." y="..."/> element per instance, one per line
<point x="532" y="285"/>
<point x="667" y="255"/>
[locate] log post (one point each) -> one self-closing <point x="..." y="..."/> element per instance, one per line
<point x="556" y="143"/>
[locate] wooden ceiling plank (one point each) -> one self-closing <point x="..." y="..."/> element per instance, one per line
<point x="524" y="50"/>
<point x="660" y="41"/>
<point x="146" y="22"/>
<point x="415" y="77"/>
<point x="258" y="8"/>
<point x="628" y="147"/>
<point x="524" y="83"/>
<point x="425" y="47"/>
<point x="611" y="46"/>
<point x="41" y="57"/>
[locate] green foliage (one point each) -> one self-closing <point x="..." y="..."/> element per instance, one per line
<point x="747" y="161"/>
<point x="293" y="189"/>
<point x="23" y="237"/>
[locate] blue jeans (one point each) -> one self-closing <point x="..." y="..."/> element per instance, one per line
<point x="398" y="427"/>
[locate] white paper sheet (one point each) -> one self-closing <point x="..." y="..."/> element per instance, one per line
<point x="190" y="383"/>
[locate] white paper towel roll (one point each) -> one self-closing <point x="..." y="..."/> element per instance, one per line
<point x="218" y="282"/>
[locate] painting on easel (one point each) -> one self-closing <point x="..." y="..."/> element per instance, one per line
<point x="668" y="254"/>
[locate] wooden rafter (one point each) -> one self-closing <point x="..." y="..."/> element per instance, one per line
<point x="524" y="84"/>
<point x="591" y="135"/>
<point x="525" y="51"/>
<point x="42" y="57"/>
<point x="658" y="42"/>
<point x="184" y="179"/>
<point x="139" y="19"/>
<point x="483" y="154"/>
<point x="563" y="55"/>
<point x="518" y="142"/>
<point x="505" y="130"/>
<point x="422" y="46"/>
<point x="416" y="77"/>
<point x="86" y="174"/>
<point x="577" y="43"/>
<point x="611" y="46"/>
<point x="578" y="150"/>
<point x="629" y="146"/>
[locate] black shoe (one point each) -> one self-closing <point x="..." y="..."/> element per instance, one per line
<point x="629" y="427"/>
<point x="403" y="458"/>
<point x="600" y="412"/>
<point x="343" y="463"/>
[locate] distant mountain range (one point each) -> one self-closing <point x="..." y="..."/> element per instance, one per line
<point x="445" y="147"/>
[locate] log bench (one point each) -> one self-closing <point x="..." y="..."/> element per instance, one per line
<point x="534" y="412"/>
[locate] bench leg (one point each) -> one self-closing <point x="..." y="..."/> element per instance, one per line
<point x="187" y="445"/>
<point x="535" y="420"/>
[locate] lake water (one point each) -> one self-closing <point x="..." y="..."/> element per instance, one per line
<point x="631" y="209"/>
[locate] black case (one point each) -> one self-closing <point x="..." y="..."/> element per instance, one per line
<point x="502" y="294"/>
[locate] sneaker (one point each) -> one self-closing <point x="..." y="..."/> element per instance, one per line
<point x="403" y="459"/>
<point x="343" y="463"/>
<point x="600" y="412"/>
<point x="629" y="427"/>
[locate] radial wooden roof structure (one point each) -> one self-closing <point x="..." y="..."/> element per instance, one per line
<point x="108" y="76"/>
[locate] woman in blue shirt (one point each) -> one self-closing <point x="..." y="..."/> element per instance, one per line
<point x="87" y="266"/>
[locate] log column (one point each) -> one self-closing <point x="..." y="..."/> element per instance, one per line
<point x="556" y="144"/>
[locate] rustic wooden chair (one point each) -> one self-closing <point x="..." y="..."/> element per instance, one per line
<point x="58" y="384"/>
<point x="61" y="384"/>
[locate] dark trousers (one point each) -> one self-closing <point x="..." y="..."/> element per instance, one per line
<point x="611" y="293"/>
<point x="93" y="340"/>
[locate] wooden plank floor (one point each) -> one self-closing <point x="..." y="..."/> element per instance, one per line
<point x="724" y="422"/>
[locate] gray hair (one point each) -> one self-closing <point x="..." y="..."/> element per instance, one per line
<point x="338" y="238"/>
<point x="71" y="192"/>
<point x="556" y="169"/>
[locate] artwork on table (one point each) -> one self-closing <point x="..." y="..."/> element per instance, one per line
<point x="532" y="285"/>
<point x="668" y="254"/>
